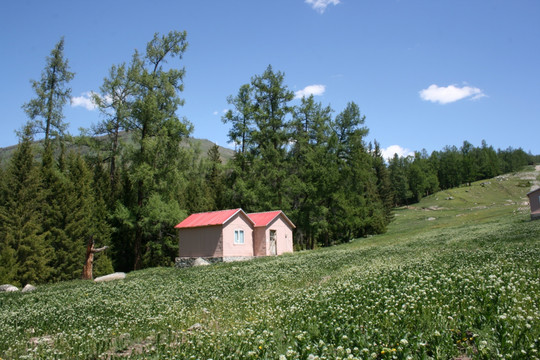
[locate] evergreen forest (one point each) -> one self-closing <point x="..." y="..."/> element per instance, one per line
<point x="128" y="193"/>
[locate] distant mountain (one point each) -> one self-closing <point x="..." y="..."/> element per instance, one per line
<point x="202" y="144"/>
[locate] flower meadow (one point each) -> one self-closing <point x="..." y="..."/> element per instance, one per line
<point x="458" y="291"/>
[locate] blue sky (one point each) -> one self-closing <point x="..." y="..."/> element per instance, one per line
<point x="425" y="73"/>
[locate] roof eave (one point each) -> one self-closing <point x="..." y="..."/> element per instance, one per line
<point x="233" y="215"/>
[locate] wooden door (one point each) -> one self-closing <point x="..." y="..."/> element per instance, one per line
<point x="273" y="237"/>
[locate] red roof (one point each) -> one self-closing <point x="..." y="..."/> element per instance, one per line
<point x="221" y="217"/>
<point x="264" y="218"/>
<point x="208" y="218"/>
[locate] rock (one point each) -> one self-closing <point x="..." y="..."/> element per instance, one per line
<point x="430" y="218"/>
<point x="28" y="288"/>
<point x="8" y="288"/>
<point x="200" y="262"/>
<point x="195" y="327"/>
<point x="450" y="198"/>
<point x="110" y="277"/>
<point x="46" y="339"/>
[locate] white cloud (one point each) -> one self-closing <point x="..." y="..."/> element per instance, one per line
<point x="450" y="94"/>
<point x="320" y="5"/>
<point x="85" y="101"/>
<point x="310" y="90"/>
<point x="224" y="111"/>
<point x="389" y="152"/>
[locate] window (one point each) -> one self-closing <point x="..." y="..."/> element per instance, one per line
<point x="238" y="236"/>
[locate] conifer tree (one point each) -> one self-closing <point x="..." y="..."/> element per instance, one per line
<point x="240" y="180"/>
<point x="56" y="199"/>
<point x="468" y="163"/>
<point x="398" y="178"/>
<point x="449" y="171"/>
<point x="115" y="103"/>
<point x="157" y="131"/>
<point x="24" y="252"/>
<point x="308" y="171"/>
<point x="270" y="137"/>
<point x="489" y="163"/>
<point x="349" y="210"/>
<point x="384" y="185"/>
<point x="241" y="119"/>
<point x="52" y="93"/>
<point x="215" y="179"/>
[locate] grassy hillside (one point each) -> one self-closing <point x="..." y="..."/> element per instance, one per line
<point x="452" y="279"/>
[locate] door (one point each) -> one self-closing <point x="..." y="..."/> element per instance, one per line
<point x="273" y="237"/>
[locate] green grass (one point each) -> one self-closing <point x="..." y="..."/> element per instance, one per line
<point x="466" y="284"/>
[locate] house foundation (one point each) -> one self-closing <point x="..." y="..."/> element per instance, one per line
<point x="186" y="262"/>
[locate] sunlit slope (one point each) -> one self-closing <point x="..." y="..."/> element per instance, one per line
<point x="456" y="278"/>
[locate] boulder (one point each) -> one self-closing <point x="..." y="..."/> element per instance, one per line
<point x="200" y="262"/>
<point x="110" y="277"/>
<point x="195" y="327"/>
<point x="8" y="288"/>
<point x="430" y="218"/>
<point x="28" y="288"/>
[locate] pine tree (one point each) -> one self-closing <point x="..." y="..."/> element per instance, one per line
<point x="270" y="137"/>
<point x="24" y="251"/>
<point x="350" y="213"/>
<point x="241" y="119"/>
<point x="54" y="207"/>
<point x="384" y="185"/>
<point x="52" y="94"/>
<point x="308" y="171"/>
<point x="157" y="131"/>
<point x="489" y="163"/>
<point x="240" y="178"/>
<point x="115" y="103"/>
<point x="468" y="164"/>
<point x="215" y="179"/>
<point x="398" y="179"/>
<point x="449" y="171"/>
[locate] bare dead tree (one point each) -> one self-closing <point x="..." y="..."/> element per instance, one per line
<point x="89" y="263"/>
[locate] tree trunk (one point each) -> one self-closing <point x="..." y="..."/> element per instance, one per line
<point x="89" y="263"/>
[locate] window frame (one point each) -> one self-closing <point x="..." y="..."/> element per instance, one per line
<point x="238" y="237"/>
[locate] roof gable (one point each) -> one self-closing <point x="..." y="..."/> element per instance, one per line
<point x="265" y="218"/>
<point x="533" y="191"/>
<point x="209" y="218"/>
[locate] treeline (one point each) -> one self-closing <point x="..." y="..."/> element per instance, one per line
<point x="414" y="177"/>
<point x="314" y="166"/>
<point x="129" y="194"/>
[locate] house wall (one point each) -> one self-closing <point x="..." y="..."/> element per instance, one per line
<point x="284" y="241"/>
<point x="230" y="249"/>
<point x="534" y="201"/>
<point x="200" y="242"/>
<point x="259" y="241"/>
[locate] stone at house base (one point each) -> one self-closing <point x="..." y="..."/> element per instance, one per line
<point x="8" y="288"/>
<point x="28" y="288"/>
<point x="110" y="277"/>
<point x="200" y="262"/>
<point x="535" y="216"/>
<point x="186" y="262"/>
